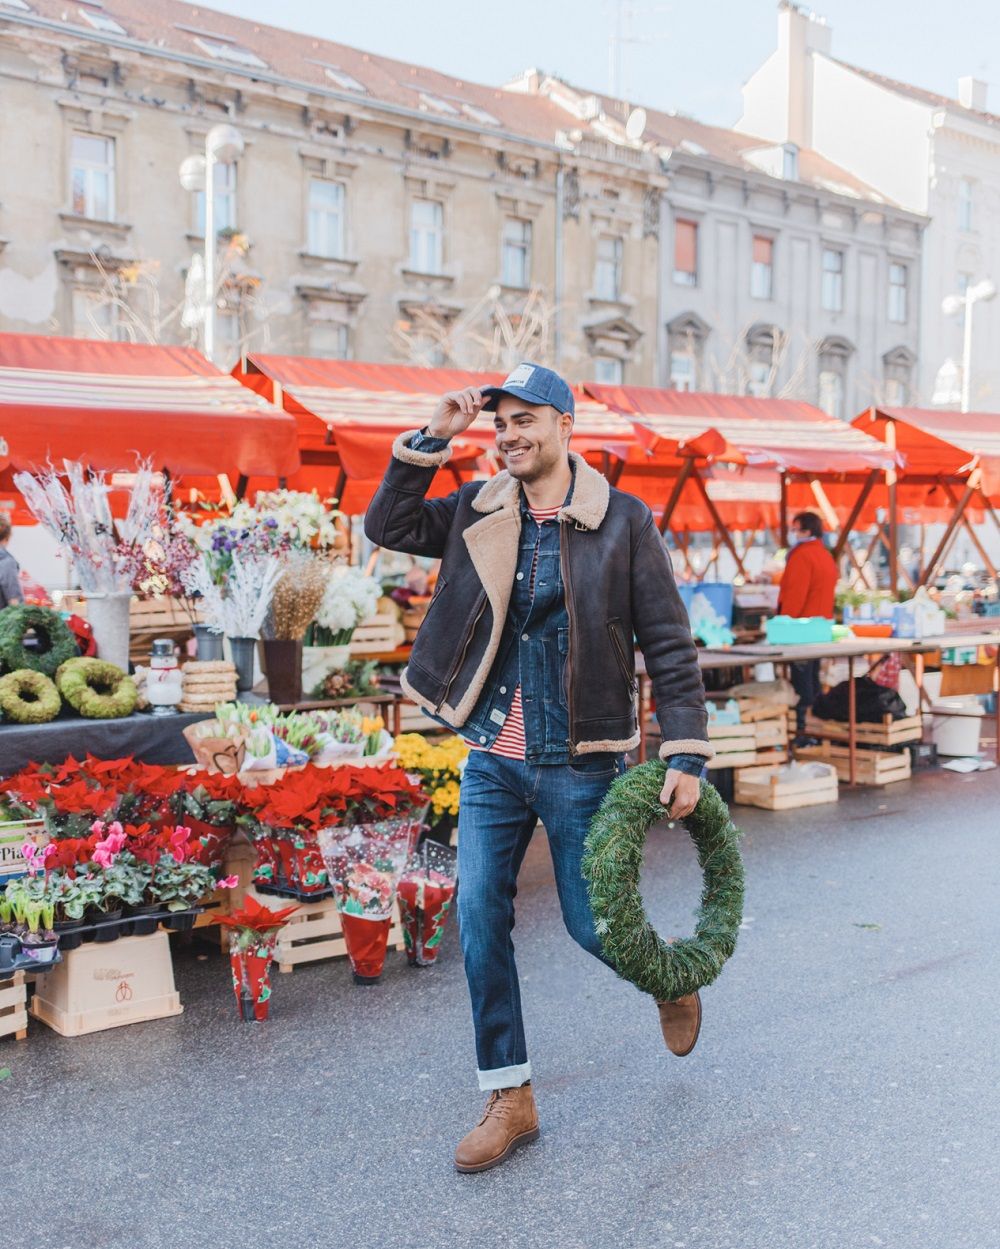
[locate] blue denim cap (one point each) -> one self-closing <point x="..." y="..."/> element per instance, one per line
<point x="533" y="384"/>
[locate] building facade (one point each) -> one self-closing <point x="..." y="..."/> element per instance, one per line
<point x="781" y="273"/>
<point x="937" y="156"/>
<point x="379" y="211"/>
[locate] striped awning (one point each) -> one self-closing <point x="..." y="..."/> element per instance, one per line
<point x="938" y="442"/>
<point x="784" y="434"/>
<point x="108" y="403"/>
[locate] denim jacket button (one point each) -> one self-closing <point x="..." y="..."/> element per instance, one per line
<point x="482" y="741"/>
<point x="503" y="689"/>
<point x="524" y="637"/>
<point x="520" y="576"/>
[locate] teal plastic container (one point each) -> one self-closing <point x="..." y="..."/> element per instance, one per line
<point x="791" y="631"/>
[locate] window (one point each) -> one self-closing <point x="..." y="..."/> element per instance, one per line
<point x="964" y="282"/>
<point x="92" y="176"/>
<point x="227" y="335"/>
<point x="230" y="52"/>
<point x="898" y="364"/>
<point x="790" y="162"/>
<point x="897" y="293"/>
<point x="17" y="4"/>
<point x="225" y="201"/>
<point x="340" y="78"/>
<point x="326" y="218"/>
<point x="608" y="370"/>
<point x="608" y="267"/>
<point x="834" y="355"/>
<point x="761" y="343"/>
<point x="759" y="384"/>
<point x="686" y="253"/>
<point x="761" y="270"/>
<point x="516" y="259"/>
<point x="94" y="315"/>
<point x="683" y="370"/>
<point x="329" y="339"/>
<point x="964" y="204"/>
<point x="102" y="21"/>
<point x="833" y="280"/>
<point x="426" y="236"/>
<point x="437" y="105"/>
<point x="831" y="393"/>
<point x="895" y="392"/>
<point x="476" y="113"/>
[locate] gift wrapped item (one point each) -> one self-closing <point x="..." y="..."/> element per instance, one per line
<point x="253" y="934"/>
<point x="217" y="747"/>
<point x="425" y="893"/>
<point x="365" y="862"/>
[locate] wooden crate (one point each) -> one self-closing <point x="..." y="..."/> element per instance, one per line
<point x="13" y="1007"/>
<point x="735" y="745"/>
<point x="239" y="860"/>
<point x="108" y="985"/>
<point x="764" y="787"/>
<point x="771" y="734"/>
<point x="872" y="767"/>
<point x="889" y="733"/>
<point x="313" y="932"/>
<point x="377" y="634"/>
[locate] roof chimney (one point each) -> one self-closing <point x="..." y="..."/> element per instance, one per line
<point x="972" y="94"/>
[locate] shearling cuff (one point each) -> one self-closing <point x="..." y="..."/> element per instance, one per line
<point x="402" y="450"/>
<point x="686" y="746"/>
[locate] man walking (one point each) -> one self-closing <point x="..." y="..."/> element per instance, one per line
<point x="547" y="576"/>
<point x="808" y="588"/>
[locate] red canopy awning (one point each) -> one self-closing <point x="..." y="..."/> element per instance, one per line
<point x="106" y="403"/>
<point x="785" y="434"/>
<point x="348" y="412"/>
<point x="941" y="443"/>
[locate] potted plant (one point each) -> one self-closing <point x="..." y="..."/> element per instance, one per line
<point x="179" y="886"/>
<point x="350" y="597"/>
<point x="253" y="934"/>
<point x="40" y="942"/>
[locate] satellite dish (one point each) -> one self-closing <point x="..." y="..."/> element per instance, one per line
<point x="636" y="124"/>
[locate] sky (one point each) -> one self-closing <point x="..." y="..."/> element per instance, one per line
<point x="690" y="56"/>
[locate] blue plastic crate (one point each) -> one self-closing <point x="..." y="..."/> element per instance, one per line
<point x="791" y="631"/>
<point x="718" y="593"/>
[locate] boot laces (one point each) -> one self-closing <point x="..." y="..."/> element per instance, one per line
<point x="498" y="1107"/>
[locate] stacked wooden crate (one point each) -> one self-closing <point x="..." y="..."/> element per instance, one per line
<point x="871" y="767"/>
<point x="782" y="789"/>
<point x="314" y="932"/>
<point x="13" y="1006"/>
<point x="888" y="732"/>
<point x="759" y="740"/>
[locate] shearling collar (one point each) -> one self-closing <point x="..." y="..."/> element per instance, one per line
<point x="587" y="507"/>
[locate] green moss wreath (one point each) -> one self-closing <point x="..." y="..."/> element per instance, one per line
<point x="97" y="689"/>
<point x="29" y="697"/>
<point x="613" y="862"/>
<point x="56" y="643"/>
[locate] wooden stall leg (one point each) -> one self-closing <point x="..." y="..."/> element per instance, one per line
<point x="852" y="723"/>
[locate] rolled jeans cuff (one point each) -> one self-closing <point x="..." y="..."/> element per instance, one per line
<point x="504" y="1077"/>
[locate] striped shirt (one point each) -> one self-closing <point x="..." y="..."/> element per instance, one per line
<point x="510" y="742"/>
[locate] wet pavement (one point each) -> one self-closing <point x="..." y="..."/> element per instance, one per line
<point x="843" y="1093"/>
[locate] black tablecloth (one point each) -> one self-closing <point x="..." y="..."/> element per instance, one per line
<point x="148" y="738"/>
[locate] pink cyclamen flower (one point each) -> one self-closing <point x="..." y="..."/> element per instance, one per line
<point x="97" y="826"/>
<point x="103" y="858"/>
<point x="29" y="852"/>
<point x="229" y="882"/>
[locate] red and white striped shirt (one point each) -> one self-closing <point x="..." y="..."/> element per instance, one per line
<point x="510" y="742"/>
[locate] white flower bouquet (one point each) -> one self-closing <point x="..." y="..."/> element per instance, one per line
<point x="349" y="598"/>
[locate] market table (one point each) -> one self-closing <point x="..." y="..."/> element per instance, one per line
<point x="147" y="738"/>
<point x="749" y="654"/>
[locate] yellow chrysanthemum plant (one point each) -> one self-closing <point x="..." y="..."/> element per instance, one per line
<point x="439" y="765"/>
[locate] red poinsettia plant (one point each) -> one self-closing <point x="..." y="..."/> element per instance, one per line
<point x="254" y="922"/>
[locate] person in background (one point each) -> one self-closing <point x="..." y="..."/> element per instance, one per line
<point x="808" y="588"/>
<point x="10" y="582"/>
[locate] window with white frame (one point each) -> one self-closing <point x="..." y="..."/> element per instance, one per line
<point x="762" y="267"/>
<point x="609" y="370"/>
<point x="964" y="204"/>
<point x="92" y="176"/>
<point x="515" y="266"/>
<point x="761" y="342"/>
<point x="686" y="253"/>
<point x="330" y="340"/>
<point x="225" y="201"/>
<point x="832" y="293"/>
<point x="683" y="370"/>
<point x="102" y="21"/>
<point x="834" y="354"/>
<point x="427" y="236"/>
<point x="227" y="334"/>
<point x="326" y="218"/>
<point x="898" y="365"/>
<point x="963" y="283"/>
<point x="608" y="267"/>
<point x="896" y="395"/>
<point x="898" y="281"/>
<point x="831" y="393"/>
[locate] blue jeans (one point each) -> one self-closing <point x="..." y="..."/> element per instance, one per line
<point x="501" y="801"/>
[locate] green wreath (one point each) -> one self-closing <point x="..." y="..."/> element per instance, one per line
<point x="56" y="643"/>
<point x="611" y="867"/>
<point x="29" y="697"/>
<point x="97" y="689"/>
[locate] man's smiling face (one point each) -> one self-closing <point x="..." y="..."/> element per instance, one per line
<point x="532" y="438"/>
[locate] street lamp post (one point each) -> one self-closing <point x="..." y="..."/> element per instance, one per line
<point x="982" y="291"/>
<point x="223" y="146"/>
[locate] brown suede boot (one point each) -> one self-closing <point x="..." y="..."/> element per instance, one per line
<point x="510" y="1119"/>
<point x="680" y="1023"/>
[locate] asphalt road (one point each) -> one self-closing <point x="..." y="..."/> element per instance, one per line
<point x="843" y="1094"/>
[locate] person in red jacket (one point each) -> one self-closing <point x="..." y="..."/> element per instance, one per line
<point x="808" y="587"/>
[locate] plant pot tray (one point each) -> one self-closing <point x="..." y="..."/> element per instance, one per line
<point x="13" y="1006"/>
<point x="872" y="767"/>
<point x="313" y="933"/>
<point x="108" y="985"/>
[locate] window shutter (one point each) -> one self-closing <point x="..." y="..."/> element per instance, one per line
<point x="686" y="246"/>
